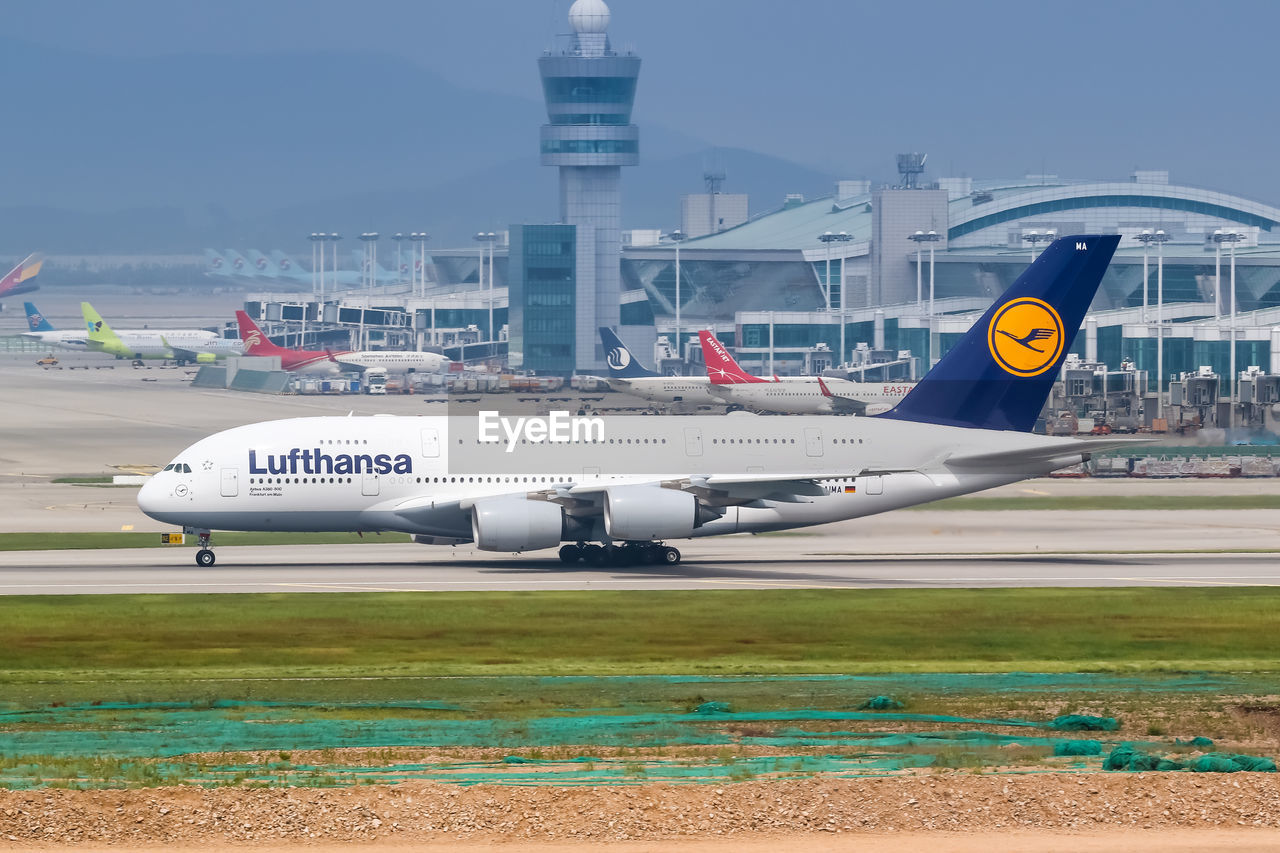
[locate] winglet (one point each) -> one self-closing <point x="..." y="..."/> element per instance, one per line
<point x="721" y="367"/>
<point x="1000" y="373"/>
<point x="826" y="392"/>
<point x="621" y="363"/>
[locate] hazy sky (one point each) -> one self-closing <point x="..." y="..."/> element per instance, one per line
<point x="988" y="89"/>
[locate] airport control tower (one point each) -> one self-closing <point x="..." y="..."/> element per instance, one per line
<point x="589" y="89"/>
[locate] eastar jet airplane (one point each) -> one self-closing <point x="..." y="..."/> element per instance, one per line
<point x="628" y="376"/>
<point x="22" y="278"/>
<point x="805" y="395"/>
<point x="330" y="362"/>
<point x="524" y="484"/>
<point x="181" y="345"/>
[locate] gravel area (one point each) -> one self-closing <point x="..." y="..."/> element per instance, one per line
<point x="750" y="811"/>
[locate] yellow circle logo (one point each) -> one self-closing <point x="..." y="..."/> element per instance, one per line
<point x="1025" y="336"/>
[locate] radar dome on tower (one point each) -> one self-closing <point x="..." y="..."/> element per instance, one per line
<point x="589" y="16"/>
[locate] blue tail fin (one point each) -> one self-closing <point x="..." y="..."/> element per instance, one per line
<point x="622" y="364"/>
<point x="999" y="375"/>
<point x="36" y="321"/>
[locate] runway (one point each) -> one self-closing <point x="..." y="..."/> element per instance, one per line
<point x="405" y="568"/>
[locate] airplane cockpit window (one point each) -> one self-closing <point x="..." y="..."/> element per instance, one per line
<point x="169" y="467"/>
<point x="186" y="469"/>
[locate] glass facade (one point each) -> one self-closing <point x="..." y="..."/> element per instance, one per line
<point x="543" y="298"/>
<point x="591" y="90"/>
<point x="590" y="146"/>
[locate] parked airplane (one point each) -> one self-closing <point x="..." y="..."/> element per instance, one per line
<point x="42" y="330"/>
<point x="22" y="278"/>
<point x="180" y="345"/>
<point x="807" y="395"/>
<point x="523" y="484"/>
<point x="628" y="376"/>
<point x="331" y="361"/>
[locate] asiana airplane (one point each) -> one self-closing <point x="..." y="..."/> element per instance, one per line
<point x="614" y="491"/>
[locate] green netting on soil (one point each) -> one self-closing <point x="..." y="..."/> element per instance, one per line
<point x="1084" y="723"/>
<point x="140" y="743"/>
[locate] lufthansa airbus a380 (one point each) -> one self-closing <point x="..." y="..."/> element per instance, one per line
<point x="612" y="491"/>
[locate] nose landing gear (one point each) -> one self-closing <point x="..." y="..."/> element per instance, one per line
<point x="205" y="557"/>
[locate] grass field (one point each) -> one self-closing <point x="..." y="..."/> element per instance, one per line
<point x="99" y="638"/>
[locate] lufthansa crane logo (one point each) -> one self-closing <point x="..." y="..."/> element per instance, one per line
<point x="1025" y="336"/>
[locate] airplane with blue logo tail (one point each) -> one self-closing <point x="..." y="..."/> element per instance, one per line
<point x="613" y="491"/>
<point x="628" y="376"/>
<point x="40" y="329"/>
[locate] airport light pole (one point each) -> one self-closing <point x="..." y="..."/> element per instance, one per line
<point x="317" y="269"/>
<point x="419" y="239"/>
<point x="1147" y="237"/>
<point x="334" y="238"/>
<point x="1231" y="238"/>
<point x="488" y="237"/>
<point x="828" y="238"/>
<point x="929" y="237"/>
<point x="370" y="240"/>
<point x="1035" y="237"/>
<point x="399" y="238"/>
<point x="677" y="237"/>
<point x="1160" y="238"/>
<point x="918" y="238"/>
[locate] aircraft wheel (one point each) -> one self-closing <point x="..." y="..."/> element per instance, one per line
<point x="205" y="558"/>
<point x="595" y="555"/>
<point x="570" y="554"/>
<point x="670" y="556"/>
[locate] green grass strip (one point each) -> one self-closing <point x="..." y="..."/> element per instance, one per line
<point x="1113" y="503"/>
<point x="639" y="632"/>
<point x="65" y="541"/>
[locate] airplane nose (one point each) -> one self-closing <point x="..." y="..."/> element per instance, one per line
<point x="151" y="497"/>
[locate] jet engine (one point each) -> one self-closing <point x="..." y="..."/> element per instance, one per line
<point x="206" y="358"/>
<point x="515" y="524"/>
<point x="651" y="512"/>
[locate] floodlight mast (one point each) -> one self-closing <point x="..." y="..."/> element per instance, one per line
<point x="827" y="239"/>
<point x="1147" y="237"/>
<point x="1230" y="238"/>
<point x="677" y="236"/>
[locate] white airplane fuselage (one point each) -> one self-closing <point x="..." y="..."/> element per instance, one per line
<point x="668" y="389"/>
<point x="71" y="340"/>
<point x="803" y="395"/>
<point x="395" y="361"/>
<point x="424" y="475"/>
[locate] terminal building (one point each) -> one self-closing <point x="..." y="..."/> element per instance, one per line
<point x="868" y="278"/>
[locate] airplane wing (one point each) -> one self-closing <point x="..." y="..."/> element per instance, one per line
<point x="1042" y="453"/>
<point x="182" y="354"/>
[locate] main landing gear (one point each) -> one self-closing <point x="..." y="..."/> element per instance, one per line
<point x="628" y="554"/>
<point x="205" y="557"/>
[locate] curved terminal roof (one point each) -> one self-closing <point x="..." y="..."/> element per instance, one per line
<point x="1009" y="204"/>
<point x="797" y="226"/>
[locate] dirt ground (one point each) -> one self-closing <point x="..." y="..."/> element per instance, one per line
<point x="954" y="811"/>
